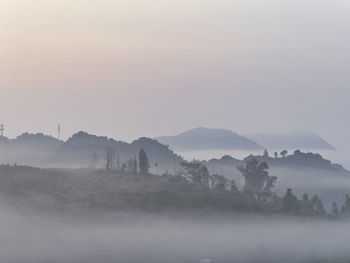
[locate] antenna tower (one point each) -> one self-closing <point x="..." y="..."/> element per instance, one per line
<point x="2" y="128"/>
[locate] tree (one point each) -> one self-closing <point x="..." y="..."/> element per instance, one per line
<point x="305" y="206"/>
<point x="134" y="165"/>
<point x="290" y="202"/>
<point x="284" y="153"/>
<point x="198" y="173"/>
<point x="297" y="152"/>
<point x="317" y="206"/>
<point x="275" y="155"/>
<point x="256" y="176"/>
<point x="345" y="210"/>
<point x="270" y="183"/>
<point x="143" y="162"/>
<point x="219" y="182"/>
<point x="109" y="158"/>
<point x="266" y="153"/>
<point x="233" y="186"/>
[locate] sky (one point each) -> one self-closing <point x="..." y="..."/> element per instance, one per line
<point x="132" y="68"/>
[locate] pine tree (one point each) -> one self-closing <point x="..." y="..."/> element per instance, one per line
<point x="143" y="162"/>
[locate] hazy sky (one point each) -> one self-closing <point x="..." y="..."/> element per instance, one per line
<point x="128" y="68"/>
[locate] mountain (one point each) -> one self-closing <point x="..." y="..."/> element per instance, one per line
<point x="38" y="140"/>
<point x="27" y="139"/>
<point x="206" y="139"/>
<point x="293" y="140"/>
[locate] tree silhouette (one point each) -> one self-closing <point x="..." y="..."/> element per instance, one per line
<point x="134" y="165"/>
<point x="284" y="153"/>
<point x="317" y="205"/>
<point x="197" y="172"/>
<point x="256" y="176"/>
<point x="219" y="182"/>
<point x="266" y="153"/>
<point x="290" y="202"/>
<point x="345" y="209"/>
<point x="143" y="162"/>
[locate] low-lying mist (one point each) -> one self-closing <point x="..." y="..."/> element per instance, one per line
<point x="137" y="237"/>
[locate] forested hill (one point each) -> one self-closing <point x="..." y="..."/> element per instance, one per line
<point x="296" y="160"/>
<point x="87" y="150"/>
<point x="81" y="150"/>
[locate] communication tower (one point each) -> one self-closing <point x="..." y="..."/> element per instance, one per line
<point x="2" y="128"/>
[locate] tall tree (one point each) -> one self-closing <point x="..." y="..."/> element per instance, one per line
<point x="290" y="202"/>
<point x="109" y="158"/>
<point x="197" y="172"/>
<point x="219" y="182"/>
<point x="345" y="209"/>
<point x="317" y="206"/>
<point x="266" y="153"/>
<point x="256" y="176"/>
<point x="305" y="205"/>
<point x="143" y="162"/>
<point x="134" y="165"/>
<point x="284" y="153"/>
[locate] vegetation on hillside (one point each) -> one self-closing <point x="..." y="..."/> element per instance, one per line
<point x="192" y="188"/>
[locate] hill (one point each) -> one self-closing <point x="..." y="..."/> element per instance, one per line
<point x="28" y="148"/>
<point x="303" y="172"/>
<point x="293" y="140"/>
<point x="298" y="159"/>
<point x="205" y="139"/>
<point x="82" y="150"/>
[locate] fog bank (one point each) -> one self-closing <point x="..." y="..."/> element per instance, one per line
<point x="151" y="239"/>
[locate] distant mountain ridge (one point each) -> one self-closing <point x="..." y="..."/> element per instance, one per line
<point x="87" y="150"/>
<point x="293" y="140"/>
<point x="207" y="138"/>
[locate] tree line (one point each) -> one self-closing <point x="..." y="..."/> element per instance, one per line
<point x="256" y="191"/>
<point x="257" y="188"/>
<point x="134" y="165"/>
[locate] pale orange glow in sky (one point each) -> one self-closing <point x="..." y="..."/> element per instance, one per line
<point x="115" y="67"/>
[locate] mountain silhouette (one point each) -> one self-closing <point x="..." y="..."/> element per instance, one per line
<point x="206" y="139"/>
<point x="293" y="140"/>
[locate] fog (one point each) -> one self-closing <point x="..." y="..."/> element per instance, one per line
<point x="135" y="237"/>
<point x="329" y="185"/>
